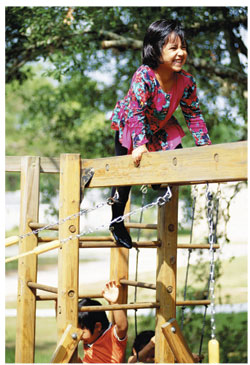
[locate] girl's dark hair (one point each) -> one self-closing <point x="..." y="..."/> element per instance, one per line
<point x="142" y="339"/>
<point x="156" y="35"/>
<point x="89" y="319"/>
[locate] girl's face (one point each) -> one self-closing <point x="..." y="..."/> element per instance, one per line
<point x="174" y="54"/>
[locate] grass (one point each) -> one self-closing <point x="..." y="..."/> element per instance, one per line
<point x="46" y="336"/>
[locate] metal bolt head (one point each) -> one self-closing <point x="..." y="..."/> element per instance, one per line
<point x="72" y="228"/>
<point x="173" y="329"/>
<point x="169" y="289"/>
<point x="74" y="336"/>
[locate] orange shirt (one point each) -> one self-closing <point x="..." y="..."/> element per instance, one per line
<point x="108" y="348"/>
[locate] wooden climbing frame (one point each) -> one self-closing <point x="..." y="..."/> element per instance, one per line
<point x="216" y="163"/>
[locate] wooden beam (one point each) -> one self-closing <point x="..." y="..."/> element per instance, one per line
<point x="68" y="255"/>
<point x="166" y="274"/>
<point x="27" y="266"/>
<point x="177" y="342"/>
<point x="215" y="163"/>
<point x="67" y="345"/>
<point x="195" y="165"/>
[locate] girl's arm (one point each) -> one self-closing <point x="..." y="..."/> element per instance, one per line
<point x="193" y="116"/>
<point x="111" y="294"/>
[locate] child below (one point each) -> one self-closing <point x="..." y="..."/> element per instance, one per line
<point x="143" y="348"/>
<point x="103" y="342"/>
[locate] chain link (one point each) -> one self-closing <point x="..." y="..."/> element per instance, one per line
<point x="211" y="239"/>
<point x="160" y="201"/>
<point x="63" y="220"/>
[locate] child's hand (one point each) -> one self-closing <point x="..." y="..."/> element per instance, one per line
<point x="111" y="292"/>
<point x="137" y="154"/>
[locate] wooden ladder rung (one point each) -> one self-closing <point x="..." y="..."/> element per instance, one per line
<point x="48" y="288"/>
<point x="197" y="246"/>
<point x="112" y="307"/>
<point x="138" y="284"/>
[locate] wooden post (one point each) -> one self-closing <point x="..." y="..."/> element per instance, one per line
<point x="68" y="256"/>
<point x="27" y="266"/>
<point x="166" y="274"/>
<point x="119" y="261"/>
<point x="177" y="342"/>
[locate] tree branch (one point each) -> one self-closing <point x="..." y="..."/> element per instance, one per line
<point x="219" y="70"/>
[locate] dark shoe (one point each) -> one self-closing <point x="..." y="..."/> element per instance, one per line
<point x="120" y="234"/>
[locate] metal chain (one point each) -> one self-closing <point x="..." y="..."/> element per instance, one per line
<point x="61" y="221"/>
<point x="159" y="201"/>
<point x="211" y="240"/>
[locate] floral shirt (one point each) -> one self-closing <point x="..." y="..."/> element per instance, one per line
<point x="145" y="115"/>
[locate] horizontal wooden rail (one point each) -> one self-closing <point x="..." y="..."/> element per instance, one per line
<point x="138" y="284"/>
<point x="106" y="242"/>
<point x="107" y="239"/>
<point x="140" y="225"/>
<point x="183" y="303"/>
<point x="215" y="163"/>
<point x="50" y="289"/>
<point x="34" y="225"/>
<point x="41" y="297"/>
<point x="142" y="244"/>
<point x="199" y="246"/>
<point x="112" y="307"/>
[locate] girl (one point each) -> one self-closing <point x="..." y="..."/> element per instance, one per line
<point x="144" y="119"/>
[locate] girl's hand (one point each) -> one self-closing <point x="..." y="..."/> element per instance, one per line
<point x="111" y="292"/>
<point x="137" y="154"/>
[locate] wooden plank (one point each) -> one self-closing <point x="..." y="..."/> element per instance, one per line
<point x="196" y="165"/>
<point x="47" y="164"/>
<point x="222" y="162"/>
<point x="166" y="274"/>
<point x="68" y="256"/>
<point x="27" y="266"/>
<point x="177" y="342"/>
<point x="67" y="345"/>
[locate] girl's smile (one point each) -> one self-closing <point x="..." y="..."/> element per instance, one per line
<point x="174" y="54"/>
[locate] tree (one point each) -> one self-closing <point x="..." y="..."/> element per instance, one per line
<point x="80" y="40"/>
<point x="86" y="58"/>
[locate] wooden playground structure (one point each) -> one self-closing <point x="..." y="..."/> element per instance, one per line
<point x="215" y="163"/>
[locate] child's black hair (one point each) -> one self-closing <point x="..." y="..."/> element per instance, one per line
<point x="142" y="339"/>
<point x="156" y="35"/>
<point x="89" y="319"/>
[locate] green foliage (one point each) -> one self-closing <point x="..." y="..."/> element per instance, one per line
<point x="63" y="80"/>
<point x="231" y="332"/>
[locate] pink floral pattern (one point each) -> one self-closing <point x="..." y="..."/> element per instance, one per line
<point x="145" y="115"/>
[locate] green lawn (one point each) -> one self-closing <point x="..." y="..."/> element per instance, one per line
<point x="231" y="332"/>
